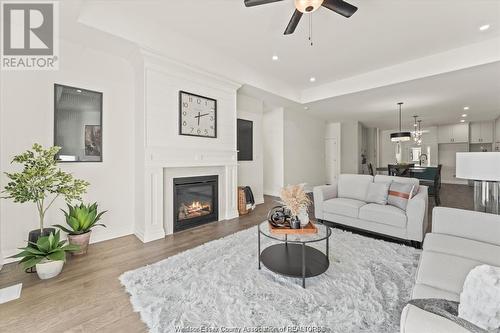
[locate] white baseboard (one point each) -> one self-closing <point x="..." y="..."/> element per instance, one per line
<point x="149" y="236"/>
<point x="272" y="193"/>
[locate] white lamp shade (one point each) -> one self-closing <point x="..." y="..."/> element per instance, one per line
<point x="479" y="166"/>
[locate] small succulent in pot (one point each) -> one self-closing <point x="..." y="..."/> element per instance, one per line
<point x="81" y="219"/>
<point x="48" y="255"/>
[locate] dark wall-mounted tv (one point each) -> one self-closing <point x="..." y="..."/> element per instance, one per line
<point x="245" y="140"/>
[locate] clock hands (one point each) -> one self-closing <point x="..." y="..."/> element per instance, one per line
<point x="199" y="116"/>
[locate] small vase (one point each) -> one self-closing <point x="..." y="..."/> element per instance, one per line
<point x="295" y="222"/>
<point x="303" y="217"/>
<point x="82" y="241"/>
<point x="48" y="269"/>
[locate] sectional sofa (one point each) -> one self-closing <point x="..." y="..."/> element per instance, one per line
<point x="460" y="240"/>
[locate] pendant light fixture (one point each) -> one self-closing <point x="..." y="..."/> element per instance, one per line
<point x="417" y="132"/>
<point x="400" y="136"/>
<point x="420" y="133"/>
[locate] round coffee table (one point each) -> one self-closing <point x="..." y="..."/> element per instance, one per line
<point x="292" y="257"/>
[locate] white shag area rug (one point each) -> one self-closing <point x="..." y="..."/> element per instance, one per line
<point x="217" y="287"/>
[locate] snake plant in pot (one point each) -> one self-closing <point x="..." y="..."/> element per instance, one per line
<point x="48" y="254"/>
<point x="81" y="219"/>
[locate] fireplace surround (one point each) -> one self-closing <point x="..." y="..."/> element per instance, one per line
<point x="195" y="201"/>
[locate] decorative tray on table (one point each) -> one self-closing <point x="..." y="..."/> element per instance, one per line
<point x="279" y="223"/>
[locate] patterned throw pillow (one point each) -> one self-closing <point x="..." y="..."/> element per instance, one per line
<point x="377" y="193"/>
<point x="399" y="194"/>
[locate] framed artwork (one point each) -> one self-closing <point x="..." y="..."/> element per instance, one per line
<point x="93" y="140"/>
<point x="197" y="115"/>
<point x="78" y="124"/>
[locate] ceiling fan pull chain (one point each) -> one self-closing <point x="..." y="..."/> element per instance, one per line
<point x="310" y="29"/>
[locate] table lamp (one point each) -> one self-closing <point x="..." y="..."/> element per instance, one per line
<point x="484" y="170"/>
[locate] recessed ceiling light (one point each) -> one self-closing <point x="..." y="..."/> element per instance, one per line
<point x="462" y="121"/>
<point x="312" y="79"/>
<point x="466" y="108"/>
<point x="275" y="58"/>
<point x="464" y="115"/>
<point x="484" y="27"/>
<point x="78" y="91"/>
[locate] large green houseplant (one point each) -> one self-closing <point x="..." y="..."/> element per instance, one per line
<point x="40" y="181"/>
<point x="47" y="254"/>
<point x="80" y="220"/>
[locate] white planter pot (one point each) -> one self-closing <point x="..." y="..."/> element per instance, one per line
<point x="47" y="269"/>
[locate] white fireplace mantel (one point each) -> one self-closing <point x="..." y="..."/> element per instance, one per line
<point x="162" y="154"/>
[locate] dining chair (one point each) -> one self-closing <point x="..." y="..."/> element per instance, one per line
<point x="370" y="169"/>
<point x="400" y="170"/>
<point x="431" y="177"/>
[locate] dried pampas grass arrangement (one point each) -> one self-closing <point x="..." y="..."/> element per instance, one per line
<point x="295" y="199"/>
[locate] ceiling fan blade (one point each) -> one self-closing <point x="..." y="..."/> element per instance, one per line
<point x="251" y="3"/>
<point x="340" y="7"/>
<point x="294" y="21"/>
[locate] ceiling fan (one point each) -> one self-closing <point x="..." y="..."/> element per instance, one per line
<point x="308" y="6"/>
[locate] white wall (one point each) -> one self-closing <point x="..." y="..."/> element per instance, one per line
<point x="350" y="147"/>
<point x="273" y="141"/>
<point x="304" y="149"/>
<point x="251" y="173"/>
<point x="448" y="158"/>
<point x="27" y="117"/>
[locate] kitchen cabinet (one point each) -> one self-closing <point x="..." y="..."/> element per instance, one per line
<point x="458" y="133"/>
<point x="481" y="132"/>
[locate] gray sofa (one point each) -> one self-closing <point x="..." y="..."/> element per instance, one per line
<point x="344" y="203"/>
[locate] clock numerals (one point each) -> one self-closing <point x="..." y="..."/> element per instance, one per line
<point x="197" y="115"/>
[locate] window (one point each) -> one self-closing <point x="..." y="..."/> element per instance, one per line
<point x="245" y="140"/>
<point x="78" y="124"/>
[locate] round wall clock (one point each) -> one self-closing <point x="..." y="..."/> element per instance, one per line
<point x="197" y="115"/>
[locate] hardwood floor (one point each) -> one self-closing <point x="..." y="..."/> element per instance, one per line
<point x="87" y="296"/>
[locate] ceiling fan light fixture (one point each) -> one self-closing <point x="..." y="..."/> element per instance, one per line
<point x="308" y="6"/>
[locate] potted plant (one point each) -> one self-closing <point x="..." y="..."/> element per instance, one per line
<point x="296" y="201"/>
<point x="81" y="219"/>
<point x="48" y="255"/>
<point x="41" y="182"/>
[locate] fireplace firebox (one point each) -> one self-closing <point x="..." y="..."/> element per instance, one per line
<point x="195" y="201"/>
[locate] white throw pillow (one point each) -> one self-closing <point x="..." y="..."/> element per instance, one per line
<point x="378" y="192"/>
<point x="399" y="194"/>
<point x="480" y="297"/>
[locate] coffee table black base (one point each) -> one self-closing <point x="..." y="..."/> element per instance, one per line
<point x="286" y="259"/>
